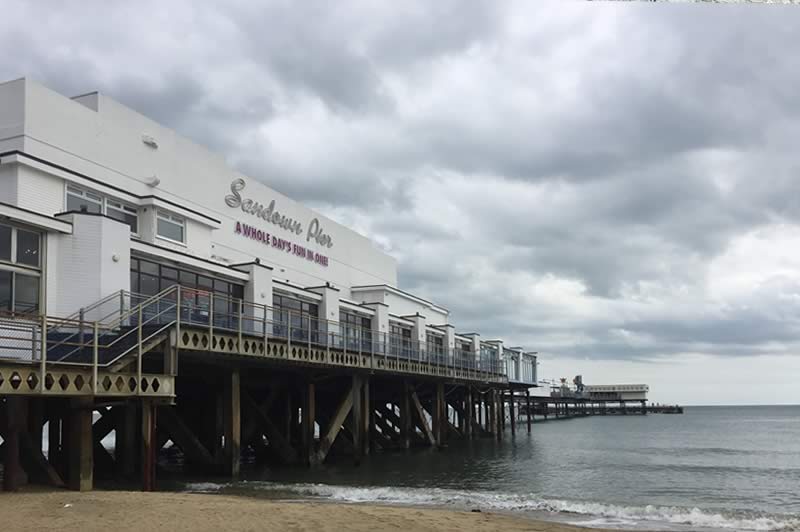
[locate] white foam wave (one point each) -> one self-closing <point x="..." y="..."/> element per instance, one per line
<point x="203" y="487"/>
<point x="498" y="501"/>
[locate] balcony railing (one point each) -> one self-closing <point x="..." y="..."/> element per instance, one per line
<point x="122" y="324"/>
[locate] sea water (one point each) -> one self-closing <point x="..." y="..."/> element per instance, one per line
<point x="712" y="468"/>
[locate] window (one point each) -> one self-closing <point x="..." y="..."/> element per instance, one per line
<point x="82" y="200"/>
<point x="124" y="213"/>
<point x="27" y="247"/>
<point x="170" y="227"/>
<point x="26" y="293"/>
<point x="5" y="242"/>
<point x="356" y="330"/>
<point x="302" y="317"/>
<point x="19" y="290"/>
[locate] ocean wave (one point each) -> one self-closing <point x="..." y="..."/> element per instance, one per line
<point x="612" y="515"/>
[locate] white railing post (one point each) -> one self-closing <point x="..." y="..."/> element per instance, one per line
<point x="139" y="351"/>
<point x="43" y="353"/>
<point x="288" y="333"/>
<point x="241" y="319"/>
<point x="210" y="321"/>
<point x="178" y="319"/>
<point x="264" y="328"/>
<point x="95" y="357"/>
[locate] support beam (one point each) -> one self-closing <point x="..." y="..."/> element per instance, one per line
<point x="80" y="459"/>
<point x="358" y="425"/>
<point x="511" y="413"/>
<point x="16" y="413"/>
<point x="469" y="413"/>
<point x="423" y="420"/>
<point x="125" y="444"/>
<point x="277" y="441"/>
<point x="54" y="439"/>
<point x="149" y="451"/>
<point x="367" y="415"/>
<point x="308" y="422"/>
<point x="335" y="425"/>
<point x="405" y="417"/>
<point x="182" y="436"/>
<point x="529" y="412"/>
<point x="232" y="415"/>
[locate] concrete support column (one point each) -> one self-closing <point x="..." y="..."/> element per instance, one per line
<point x="80" y="448"/>
<point x="233" y="423"/>
<point x="380" y="326"/>
<point x="257" y="290"/>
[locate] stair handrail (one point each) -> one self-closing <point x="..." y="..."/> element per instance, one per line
<point x="134" y="309"/>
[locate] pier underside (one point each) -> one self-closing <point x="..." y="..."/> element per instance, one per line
<point x="226" y="409"/>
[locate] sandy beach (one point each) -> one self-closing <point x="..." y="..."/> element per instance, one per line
<point x="151" y="512"/>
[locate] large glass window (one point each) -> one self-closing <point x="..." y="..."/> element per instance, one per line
<point x="27" y="247"/>
<point x="26" y="293"/>
<point x="400" y="339"/>
<point x="148" y="278"/>
<point x="124" y="213"/>
<point x="171" y="227"/>
<point x="356" y="329"/>
<point x="295" y="315"/>
<point x="79" y="200"/>
<point x="5" y="242"/>
<point x="5" y="291"/>
<point x="19" y="269"/>
<point x="83" y="201"/>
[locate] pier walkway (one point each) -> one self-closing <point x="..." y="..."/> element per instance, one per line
<point x="215" y="375"/>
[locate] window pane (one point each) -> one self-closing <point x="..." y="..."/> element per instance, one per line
<point x="204" y="282"/>
<point x="5" y="291"/>
<point x="169" y="273"/>
<point x="124" y="216"/>
<point x="79" y="203"/>
<point x="5" y="242"/>
<point x="27" y="247"/>
<point x="168" y="228"/>
<point x="135" y="282"/>
<point x="237" y="291"/>
<point x="26" y="293"/>
<point x="188" y="279"/>
<point x="148" y="267"/>
<point x="148" y="284"/>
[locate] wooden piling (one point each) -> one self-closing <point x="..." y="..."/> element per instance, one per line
<point x="13" y="473"/>
<point x="80" y="449"/>
<point x="529" y="412"/>
<point x="149" y="451"/>
<point x="232" y="416"/>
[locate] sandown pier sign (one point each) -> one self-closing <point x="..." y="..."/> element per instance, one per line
<point x="269" y="213"/>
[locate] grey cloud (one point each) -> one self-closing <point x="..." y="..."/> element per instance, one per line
<point x="620" y="156"/>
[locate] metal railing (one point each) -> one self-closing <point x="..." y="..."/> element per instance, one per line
<point x="125" y="322"/>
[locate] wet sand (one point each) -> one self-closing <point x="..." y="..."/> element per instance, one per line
<point x="150" y="512"/>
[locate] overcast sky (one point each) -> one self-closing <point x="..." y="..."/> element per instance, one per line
<point x="613" y="185"/>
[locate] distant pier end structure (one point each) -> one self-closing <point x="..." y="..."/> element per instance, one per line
<point x="151" y="291"/>
<point x="616" y="392"/>
<point x="577" y="399"/>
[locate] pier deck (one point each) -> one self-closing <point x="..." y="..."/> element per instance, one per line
<point x="215" y="383"/>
